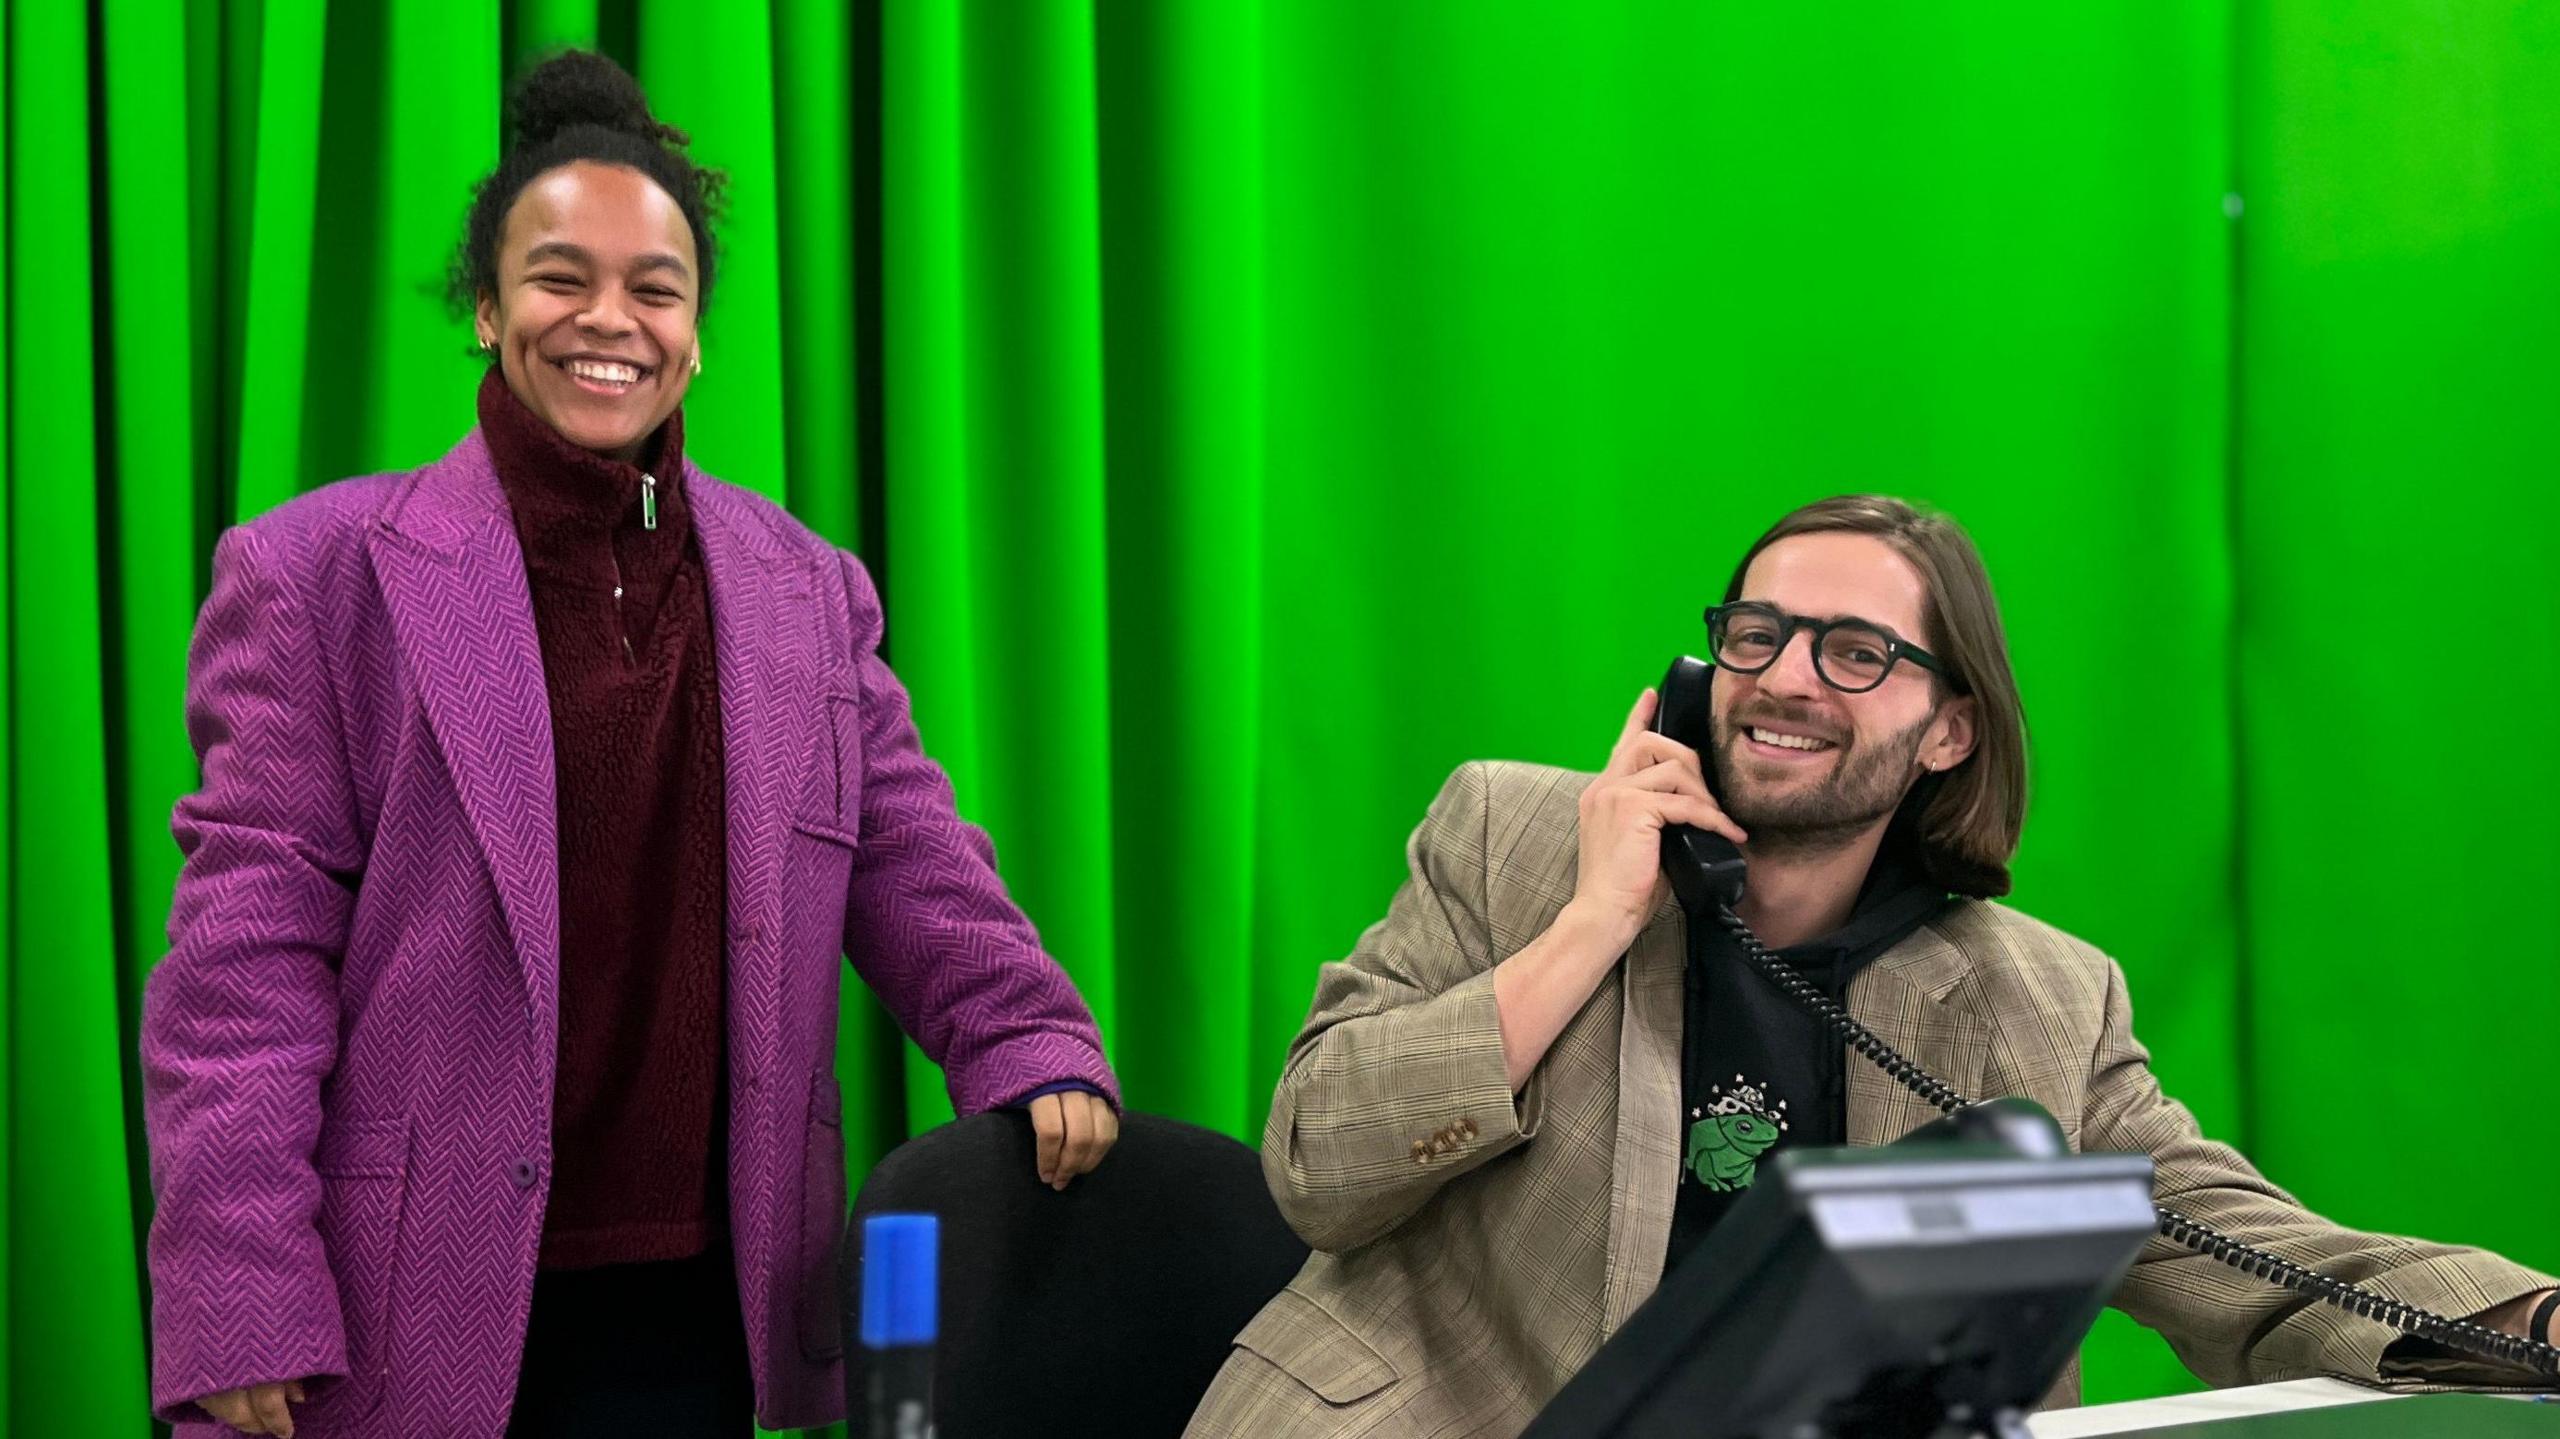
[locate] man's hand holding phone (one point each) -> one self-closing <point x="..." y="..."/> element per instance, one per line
<point x="1650" y="781"/>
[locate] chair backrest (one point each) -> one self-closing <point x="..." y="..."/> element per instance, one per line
<point x="1105" y="1308"/>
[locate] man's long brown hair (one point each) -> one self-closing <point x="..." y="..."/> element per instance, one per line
<point x="1964" y="822"/>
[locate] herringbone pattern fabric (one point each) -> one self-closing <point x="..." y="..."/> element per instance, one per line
<point x="1455" y="1289"/>
<point x="348" y="1051"/>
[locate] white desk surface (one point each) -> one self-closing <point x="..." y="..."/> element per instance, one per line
<point x="2196" y="1408"/>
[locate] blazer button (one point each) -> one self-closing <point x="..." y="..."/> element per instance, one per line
<point x="1467" y="1127"/>
<point x="521" y="1174"/>
<point x="1421" y="1152"/>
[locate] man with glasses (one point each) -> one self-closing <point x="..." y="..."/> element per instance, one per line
<point x="1533" y="1086"/>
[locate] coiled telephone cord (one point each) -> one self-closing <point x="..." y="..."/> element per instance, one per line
<point x="2459" y="1334"/>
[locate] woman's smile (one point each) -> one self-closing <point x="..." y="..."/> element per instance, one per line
<point x="608" y="377"/>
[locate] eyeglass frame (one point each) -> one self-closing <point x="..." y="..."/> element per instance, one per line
<point x="1896" y="648"/>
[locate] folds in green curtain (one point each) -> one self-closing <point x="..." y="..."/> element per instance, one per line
<point x="1181" y="113"/>
<point x="1254" y="411"/>
<point x="1071" y="319"/>
<point x="993" y="410"/>
<point x="73" y="1292"/>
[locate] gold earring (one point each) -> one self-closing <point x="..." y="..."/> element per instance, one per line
<point x="486" y="344"/>
<point x="697" y="362"/>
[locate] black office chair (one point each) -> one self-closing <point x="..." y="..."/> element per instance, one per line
<point x="1105" y="1309"/>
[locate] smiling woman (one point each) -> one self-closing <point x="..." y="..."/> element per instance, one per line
<point x="598" y="338"/>
<point x="588" y="258"/>
<point x="489" y="1075"/>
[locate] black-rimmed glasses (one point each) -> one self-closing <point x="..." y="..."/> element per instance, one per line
<point x="1851" y="656"/>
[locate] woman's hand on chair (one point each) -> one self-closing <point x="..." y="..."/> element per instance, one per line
<point x="257" y="1409"/>
<point x="1074" y="1129"/>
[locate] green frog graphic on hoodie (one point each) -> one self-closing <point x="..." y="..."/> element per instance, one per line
<point x="1725" y="1143"/>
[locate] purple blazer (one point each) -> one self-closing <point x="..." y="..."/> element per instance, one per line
<point x="348" y="1052"/>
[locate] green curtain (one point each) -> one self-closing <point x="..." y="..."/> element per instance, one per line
<point x="1253" y="410"/>
<point x="2398" y="448"/>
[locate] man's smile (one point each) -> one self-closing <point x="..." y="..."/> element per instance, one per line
<point x="1783" y="744"/>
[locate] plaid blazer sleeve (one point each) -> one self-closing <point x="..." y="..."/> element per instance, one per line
<point x="1396" y="1084"/>
<point x="2232" y="1327"/>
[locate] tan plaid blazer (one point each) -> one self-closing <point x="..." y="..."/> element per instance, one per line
<point x="1473" y="1248"/>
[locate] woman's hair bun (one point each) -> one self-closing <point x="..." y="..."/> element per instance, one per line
<point x="580" y="87"/>
<point x="580" y="106"/>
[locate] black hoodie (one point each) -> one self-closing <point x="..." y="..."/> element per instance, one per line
<point x="1758" y="1073"/>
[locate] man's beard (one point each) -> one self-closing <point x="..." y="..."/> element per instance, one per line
<point x="1867" y="782"/>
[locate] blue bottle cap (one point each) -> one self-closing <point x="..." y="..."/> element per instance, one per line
<point x="901" y="1280"/>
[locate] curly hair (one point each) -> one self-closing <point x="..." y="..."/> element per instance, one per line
<point x="579" y="105"/>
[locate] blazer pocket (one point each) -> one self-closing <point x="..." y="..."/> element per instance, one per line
<point x="1305" y="1341"/>
<point x="830" y="800"/>
<point x="363" y="1166"/>
<point x="822" y="1222"/>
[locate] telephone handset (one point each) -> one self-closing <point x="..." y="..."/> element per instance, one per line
<point x="1704" y="868"/>
<point x="1706" y="872"/>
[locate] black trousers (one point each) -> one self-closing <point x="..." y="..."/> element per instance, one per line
<point x="631" y="1349"/>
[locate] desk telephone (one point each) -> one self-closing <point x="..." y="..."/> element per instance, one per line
<point x="1706" y="872"/>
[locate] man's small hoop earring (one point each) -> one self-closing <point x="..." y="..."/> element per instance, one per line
<point x="697" y="362"/>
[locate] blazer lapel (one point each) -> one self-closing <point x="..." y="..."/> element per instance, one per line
<point x="1645" y="1172"/>
<point x="1906" y="997"/>
<point x="453" y="582"/>
<point x="770" y="640"/>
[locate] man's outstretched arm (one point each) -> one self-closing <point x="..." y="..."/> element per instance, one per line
<point x="2232" y="1327"/>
